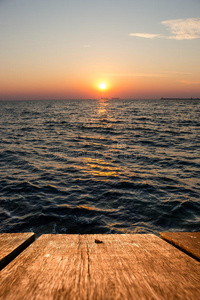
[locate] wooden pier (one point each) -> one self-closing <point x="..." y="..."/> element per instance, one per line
<point x="100" y="266"/>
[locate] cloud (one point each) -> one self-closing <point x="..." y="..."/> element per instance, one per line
<point x="189" y="82"/>
<point x="180" y="29"/>
<point x="145" y="35"/>
<point x="155" y="74"/>
<point x="183" y="29"/>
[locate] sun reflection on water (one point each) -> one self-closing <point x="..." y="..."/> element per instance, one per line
<point x="98" y="167"/>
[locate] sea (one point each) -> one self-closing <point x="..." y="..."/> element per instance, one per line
<point x="99" y="166"/>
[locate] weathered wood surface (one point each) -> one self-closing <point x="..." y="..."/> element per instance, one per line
<point x="188" y="242"/>
<point x="11" y="244"/>
<point x="122" y="267"/>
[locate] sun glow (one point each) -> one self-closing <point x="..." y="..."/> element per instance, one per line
<point x="102" y="86"/>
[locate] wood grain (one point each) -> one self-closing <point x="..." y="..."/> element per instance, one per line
<point x="11" y="244"/>
<point x="188" y="242"/>
<point x="121" y="267"/>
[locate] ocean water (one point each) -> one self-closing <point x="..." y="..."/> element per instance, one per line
<point x="100" y="166"/>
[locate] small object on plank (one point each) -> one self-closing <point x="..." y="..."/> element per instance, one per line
<point x="98" y="241"/>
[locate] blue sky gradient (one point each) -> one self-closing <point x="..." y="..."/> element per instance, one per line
<point x="63" y="49"/>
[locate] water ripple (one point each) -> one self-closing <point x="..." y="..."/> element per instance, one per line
<point x="98" y="166"/>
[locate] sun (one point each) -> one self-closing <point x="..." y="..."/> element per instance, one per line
<point x="102" y="86"/>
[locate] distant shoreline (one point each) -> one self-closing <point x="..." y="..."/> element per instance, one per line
<point x="78" y="99"/>
<point x="179" y="98"/>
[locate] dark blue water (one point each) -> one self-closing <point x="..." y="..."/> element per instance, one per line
<point x="100" y="166"/>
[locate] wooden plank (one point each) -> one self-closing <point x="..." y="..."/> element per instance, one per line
<point x="11" y="244"/>
<point x="189" y="242"/>
<point x="121" y="267"/>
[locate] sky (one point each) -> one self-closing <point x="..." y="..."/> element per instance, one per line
<point x="64" y="49"/>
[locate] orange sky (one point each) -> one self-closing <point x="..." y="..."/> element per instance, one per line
<point x="64" y="51"/>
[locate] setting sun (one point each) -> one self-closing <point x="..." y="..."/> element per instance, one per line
<point x="102" y="86"/>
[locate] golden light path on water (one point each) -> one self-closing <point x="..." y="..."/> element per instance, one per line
<point x="100" y="166"/>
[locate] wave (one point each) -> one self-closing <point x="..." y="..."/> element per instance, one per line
<point x="99" y="167"/>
